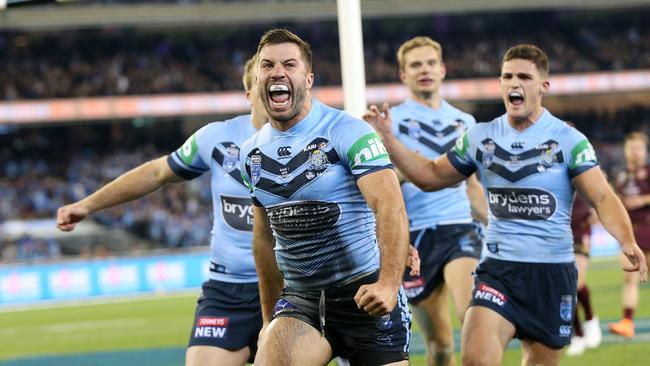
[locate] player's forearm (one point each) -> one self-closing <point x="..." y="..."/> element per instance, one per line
<point x="392" y="235"/>
<point x="414" y="167"/>
<point x="134" y="184"/>
<point x="477" y="201"/>
<point x="270" y="278"/>
<point x="614" y="217"/>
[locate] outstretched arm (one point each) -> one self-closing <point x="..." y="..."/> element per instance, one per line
<point x="477" y="201"/>
<point x="136" y="183"/>
<point x="611" y="212"/>
<point x="428" y="175"/>
<point x="270" y="278"/>
<point x="382" y="193"/>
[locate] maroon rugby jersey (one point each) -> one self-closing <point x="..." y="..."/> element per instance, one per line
<point x="633" y="185"/>
<point x="580" y="219"/>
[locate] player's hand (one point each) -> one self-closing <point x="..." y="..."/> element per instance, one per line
<point x="635" y="255"/>
<point x="413" y="261"/>
<point x="379" y="120"/>
<point x="376" y="299"/>
<point x="68" y="216"/>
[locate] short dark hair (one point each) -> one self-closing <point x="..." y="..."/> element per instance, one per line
<point x="277" y="36"/>
<point x="531" y="53"/>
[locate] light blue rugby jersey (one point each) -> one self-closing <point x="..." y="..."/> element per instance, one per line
<point x="432" y="132"/>
<point x="527" y="176"/>
<point x="215" y="147"/>
<point x="306" y="180"/>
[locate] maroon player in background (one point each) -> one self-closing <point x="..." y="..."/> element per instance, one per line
<point x="633" y="186"/>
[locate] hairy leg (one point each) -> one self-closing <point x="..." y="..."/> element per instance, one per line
<point x="291" y="342"/>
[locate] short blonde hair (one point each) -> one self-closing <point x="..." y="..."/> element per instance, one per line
<point x="637" y="135"/>
<point x="249" y="75"/>
<point x="416" y="42"/>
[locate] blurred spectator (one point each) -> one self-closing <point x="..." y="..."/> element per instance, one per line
<point x="104" y="62"/>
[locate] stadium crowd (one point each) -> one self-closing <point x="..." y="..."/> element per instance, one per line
<point x="101" y="62"/>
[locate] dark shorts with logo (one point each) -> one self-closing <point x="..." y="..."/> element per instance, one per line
<point x="228" y="315"/>
<point x="537" y="298"/>
<point x="436" y="248"/>
<point x="350" y="331"/>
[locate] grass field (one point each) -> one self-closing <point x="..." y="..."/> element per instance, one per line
<point x="154" y="331"/>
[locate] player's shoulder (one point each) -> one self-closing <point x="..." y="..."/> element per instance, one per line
<point x="261" y="137"/>
<point x="457" y="114"/>
<point x="341" y="122"/>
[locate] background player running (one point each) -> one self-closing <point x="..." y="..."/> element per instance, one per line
<point x="441" y="226"/>
<point x="530" y="163"/>
<point x="228" y="316"/>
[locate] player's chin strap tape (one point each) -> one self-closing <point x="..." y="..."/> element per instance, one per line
<point x="321" y="312"/>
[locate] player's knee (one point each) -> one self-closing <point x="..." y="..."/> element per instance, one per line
<point x="442" y="354"/>
<point x="478" y="359"/>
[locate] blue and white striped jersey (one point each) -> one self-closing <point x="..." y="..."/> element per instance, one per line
<point x="527" y="176"/>
<point x="305" y="178"/>
<point x="215" y="148"/>
<point x="432" y="132"/>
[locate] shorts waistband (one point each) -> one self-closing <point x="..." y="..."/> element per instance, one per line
<point x="489" y="260"/>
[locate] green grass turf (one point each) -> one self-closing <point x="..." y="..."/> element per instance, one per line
<point x="163" y="322"/>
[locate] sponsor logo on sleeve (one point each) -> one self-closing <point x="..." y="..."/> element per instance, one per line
<point x="237" y="212"/>
<point x="188" y="151"/>
<point x="487" y="293"/>
<point x="211" y="327"/>
<point x="367" y="148"/>
<point x="461" y="145"/>
<point x="582" y="153"/>
<point x="521" y="203"/>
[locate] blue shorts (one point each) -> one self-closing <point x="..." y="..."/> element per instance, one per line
<point x="351" y="332"/>
<point x="437" y="247"/>
<point x="537" y="298"/>
<point x="228" y="315"/>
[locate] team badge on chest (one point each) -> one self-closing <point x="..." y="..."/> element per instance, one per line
<point x="256" y="168"/>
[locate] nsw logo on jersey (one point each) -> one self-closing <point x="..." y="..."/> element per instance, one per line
<point x="285" y="178"/>
<point x="516" y="166"/>
<point x="366" y="149"/>
<point x="521" y="203"/>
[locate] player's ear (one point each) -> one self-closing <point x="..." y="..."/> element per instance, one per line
<point x="443" y="70"/>
<point x="402" y="75"/>
<point x="310" y="80"/>
<point x="545" y="86"/>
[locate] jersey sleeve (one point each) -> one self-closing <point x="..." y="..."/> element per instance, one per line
<point x="460" y="156"/>
<point x="580" y="155"/>
<point x="189" y="161"/>
<point x="359" y="146"/>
